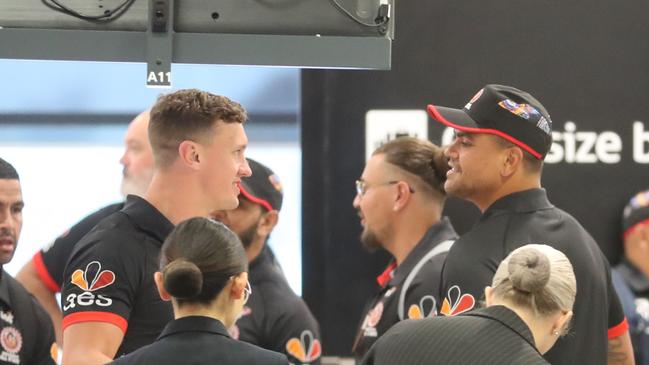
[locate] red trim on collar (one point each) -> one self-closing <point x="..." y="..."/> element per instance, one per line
<point x="254" y="199"/>
<point x="432" y="110"/>
<point x="618" y="330"/>
<point x="634" y="227"/>
<point x="386" y="275"/>
<point x="44" y="274"/>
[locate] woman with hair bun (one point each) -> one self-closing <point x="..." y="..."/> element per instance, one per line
<point x="203" y="271"/>
<point x="529" y="306"/>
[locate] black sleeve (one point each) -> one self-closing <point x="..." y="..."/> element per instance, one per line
<point x="617" y="323"/>
<point x="102" y="279"/>
<point x="45" y="349"/>
<point x="50" y="261"/>
<point x="296" y="333"/>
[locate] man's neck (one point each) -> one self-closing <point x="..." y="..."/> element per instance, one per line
<point x="175" y="197"/>
<point x="408" y="232"/>
<point x="485" y="200"/>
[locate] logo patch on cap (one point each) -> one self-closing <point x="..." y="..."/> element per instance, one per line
<point x="274" y="180"/>
<point x="473" y="100"/>
<point x="522" y="110"/>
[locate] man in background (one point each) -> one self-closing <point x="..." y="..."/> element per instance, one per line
<point x="274" y="318"/>
<point x="43" y="275"/>
<point x="631" y="275"/>
<point x="26" y="333"/>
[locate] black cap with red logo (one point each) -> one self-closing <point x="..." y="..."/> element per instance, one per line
<point x="503" y="111"/>
<point x="263" y="187"/>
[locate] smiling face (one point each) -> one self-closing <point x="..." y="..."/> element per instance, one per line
<point x="475" y="161"/>
<point x="11" y="218"/>
<point x="224" y="164"/>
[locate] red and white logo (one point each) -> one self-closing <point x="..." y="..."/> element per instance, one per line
<point x="456" y="303"/>
<point x="374" y="315"/>
<point x="427" y="308"/>
<point x="306" y="349"/>
<point x="11" y="340"/>
<point x="90" y="280"/>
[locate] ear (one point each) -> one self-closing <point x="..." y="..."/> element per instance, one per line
<point x="267" y="223"/>
<point x="403" y="196"/>
<point x="561" y="323"/>
<point x="513" y="159"/>
<point x="190" y="154"/>
<point x="489" y="295"/>
<point x="159" y="283"/>
<point x="238" y="286"/>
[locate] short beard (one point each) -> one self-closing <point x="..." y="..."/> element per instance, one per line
<point x="370" y="241"/>
<point x="136" y="186"/>
<point x="248" y="235"/>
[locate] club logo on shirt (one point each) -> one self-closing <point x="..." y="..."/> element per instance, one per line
<point x="92" y="278"/>
<point x="306" y="349"/>
<point x="89" y="280"/>
<point x="7" y="316"/>
<point x="427" y="308"/>
<point x="11" y="341"/>
<point x="456" y="303"/>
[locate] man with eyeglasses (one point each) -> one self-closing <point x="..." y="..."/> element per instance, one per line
<point x="274" y="318"/>
<point x="400" y="198"/>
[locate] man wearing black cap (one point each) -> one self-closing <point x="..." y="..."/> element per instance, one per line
<point x="496" y="159"/>
<point x="274" y="317"/>
<point x="631" y="276"/>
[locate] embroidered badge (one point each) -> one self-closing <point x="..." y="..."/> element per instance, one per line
<point x="456" y="302"/>
<point x="427" y="308"/>
<point x="306" y="349"/>
<point x="374" y="315"/>
<point x="92" y="278"/>
<point x="524" y="111"/>
<point x="11" y="340"/>
<point x="473" y="99"/>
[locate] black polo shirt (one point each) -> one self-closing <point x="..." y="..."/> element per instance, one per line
<point x="420" y="300"/>
<point x="528" y="217"/>
<point x="275" y="318"/>
<point x="109" y="277"/>
<point x="200" y="340"/>
<point x="50" y="261"/>
<point x="26" y="332"/>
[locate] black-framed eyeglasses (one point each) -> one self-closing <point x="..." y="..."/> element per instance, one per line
<point x="362" y="187"/>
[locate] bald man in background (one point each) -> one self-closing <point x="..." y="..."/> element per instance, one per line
<point x="43" y="275"/>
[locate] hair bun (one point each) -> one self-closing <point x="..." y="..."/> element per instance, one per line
<point x="529" y="270"/>
<point x="182" y="279"/>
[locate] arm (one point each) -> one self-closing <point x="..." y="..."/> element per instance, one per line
<point x="30" y="279"/>
<point x="91" y="343"/>
<point x="620" y="351"/>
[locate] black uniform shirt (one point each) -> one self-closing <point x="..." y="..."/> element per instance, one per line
<point x="528" y="217"/>
<point x="26" y="332"/>
<point x="50" y="261"/>
<point x="200" y="340"/>
<point x="275" y="318"/>
<point x="489" y="336"/>
<point x="382" y="311"/>
<point x="109" y="277"/>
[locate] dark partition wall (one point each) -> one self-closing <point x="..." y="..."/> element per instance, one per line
<point x="587" y="61"/>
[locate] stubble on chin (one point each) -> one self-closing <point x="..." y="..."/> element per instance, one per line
<point x="369" y="240"/>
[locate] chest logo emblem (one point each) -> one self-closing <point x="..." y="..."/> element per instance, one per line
<point x="306" y="349"/>
<point x="456" y="303"/>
